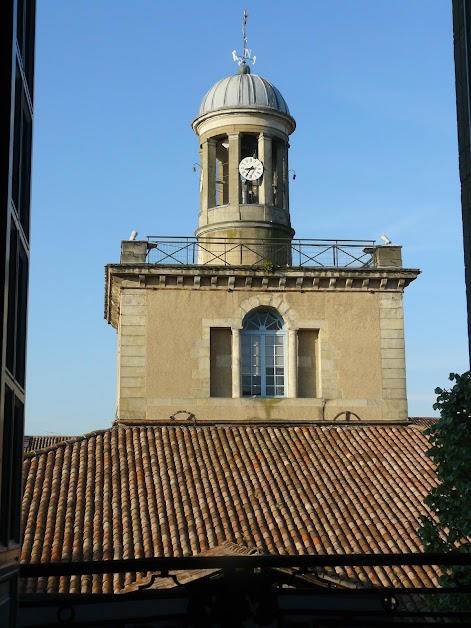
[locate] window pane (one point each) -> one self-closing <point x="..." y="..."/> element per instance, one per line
<point x="263" y="355"/>
<point x="260" y="319"/>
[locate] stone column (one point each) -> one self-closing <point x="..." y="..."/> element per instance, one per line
<point x="265" y="156"/>
<point x="204" y="161"/>
<point x="235" y="363"/>
<point x="292" y="363"/>
<point x="280" y="181"/>
<point x="211" y="169"/>
<point x="286" y="177"/>
<point x="234" y="178"/>
<point x="201" y="187"/>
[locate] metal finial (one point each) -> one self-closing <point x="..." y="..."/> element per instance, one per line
<point x="244" y="33"/>
<point x="247" y="53"/>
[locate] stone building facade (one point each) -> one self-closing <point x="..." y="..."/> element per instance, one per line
<point x="243" y="322"/>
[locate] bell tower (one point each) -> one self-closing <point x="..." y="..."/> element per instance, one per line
<point x="243" y="127"/>
<point x="244" y="322"/>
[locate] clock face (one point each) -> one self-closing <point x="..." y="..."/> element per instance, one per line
<point x="251" y="168"/>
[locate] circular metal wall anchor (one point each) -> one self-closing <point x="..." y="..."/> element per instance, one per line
<point x="348" y="416"/>
<point x="190" y="416"/>
<point x="390" y="603"/>
<point x="65" y="614"/>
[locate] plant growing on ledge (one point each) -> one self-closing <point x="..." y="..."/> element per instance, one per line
<point x="268" y="267"/>
<point x="448" y="526"/>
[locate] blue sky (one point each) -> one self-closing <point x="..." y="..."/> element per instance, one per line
<point x="371" y="86"/>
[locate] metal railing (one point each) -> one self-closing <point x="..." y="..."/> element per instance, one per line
<point x="288" y="588"/>
<point x="275" y="252"/>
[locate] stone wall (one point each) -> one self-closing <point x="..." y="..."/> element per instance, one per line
<point x="164" y="350"/>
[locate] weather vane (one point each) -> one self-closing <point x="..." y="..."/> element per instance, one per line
<point x="247" y="54"/>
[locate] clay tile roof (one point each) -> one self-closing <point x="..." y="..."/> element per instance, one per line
<point x="426" y="421"/>
<point x="33" y="443"/>
<point x="131" y="492"/>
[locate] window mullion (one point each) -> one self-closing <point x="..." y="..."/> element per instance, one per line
<point x="263" y="379"/>
<point x="252" y="364"/>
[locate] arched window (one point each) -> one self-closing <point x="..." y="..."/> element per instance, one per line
<point x="263" y="355"/>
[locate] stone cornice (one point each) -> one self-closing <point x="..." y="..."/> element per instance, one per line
<point x="227" y="115"/>
<point x="306" y="279"/>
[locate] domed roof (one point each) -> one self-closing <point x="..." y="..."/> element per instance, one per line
<point x="243" y="90"/>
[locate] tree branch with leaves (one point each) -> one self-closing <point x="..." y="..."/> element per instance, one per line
<point x="447" y="527"/>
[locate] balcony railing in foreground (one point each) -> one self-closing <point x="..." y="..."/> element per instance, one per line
<point x="258" y="253"/>
<point x="265" y="590"/>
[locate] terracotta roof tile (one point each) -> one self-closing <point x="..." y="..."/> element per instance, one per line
<point x="423" y="421"/>
<point x="33" y="443"/>
<point x="131" y="492"/>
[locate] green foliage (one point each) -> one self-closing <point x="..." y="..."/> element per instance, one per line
<point x="448" y="526"/>
<point x="268" y="267"/>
